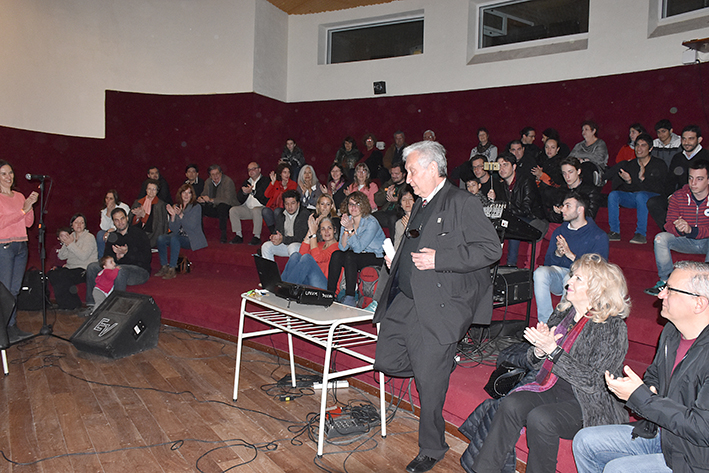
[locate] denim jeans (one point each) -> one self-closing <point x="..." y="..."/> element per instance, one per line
<point x="100" y="244"/>
<point x="630" y="200"/>
<point x="174" y="241"/>
<point x="665" y="241"/>
<point x="13" y="261"/>
<point x="269" y="250"/>
<point x="611" y="449"/>
<point x="128" y="275"/>
<point x="548" y="280"/>
<point x="302" y="269"/>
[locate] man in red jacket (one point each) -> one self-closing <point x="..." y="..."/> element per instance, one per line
<point x="687" y="225"/>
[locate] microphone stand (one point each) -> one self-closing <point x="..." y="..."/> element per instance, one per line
<point x="46" y="328"/>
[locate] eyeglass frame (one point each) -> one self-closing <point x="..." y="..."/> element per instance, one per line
<point x="679" y="291"/>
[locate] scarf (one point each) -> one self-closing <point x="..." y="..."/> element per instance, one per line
<point x="545" y="378"/>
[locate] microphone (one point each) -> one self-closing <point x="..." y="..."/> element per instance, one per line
<point x="36" y="177"/>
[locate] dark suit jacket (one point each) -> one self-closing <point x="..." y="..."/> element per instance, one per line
<point x="260" y="191"/>
<point x="300" y="226"/>
<point x="459" y="291"/>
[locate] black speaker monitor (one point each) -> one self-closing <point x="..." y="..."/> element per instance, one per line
<point x="124" y="324"/>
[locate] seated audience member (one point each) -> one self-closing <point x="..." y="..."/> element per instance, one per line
<point x="395" y="152"/>
<point x="218" y="197"/>
<point x="373" y="158"/>
<point x="484" y="147"/>
<point x="634" y="182"/>
<point x="522" y="198"/>
<point x="336" y="184"/>
<point x="677" y="175"/>
<point x="407" y="197"/>
<point x="326" y="208"/>
<point x="573" y="181"/>
<point x="292" y="156"/>
<point x="670" y="399"/>
<point x="309" y="266"/>
<point x="687" y="227"/>
<point x="592" y="152"/>
<point x="578" y="236"/>
<point x="667" y="143"/>
<point x="363" y="184"/>
<point x="280" y="183"/>
<point x="473" y="186"/>
<point x="150" y="214"/>
<point x="525" y="161"/>
<point x="185" y="231"/>
<point x="348" y="156"/>
<point x="548" y="172"/>
<point x="627" y="152"/>
<point x="78" y="250"/>
<point x="129" y="246"/>
<point x="193" y="179"/>
<point x="387" y="198"/>
<point x="308" y="187"/>
<point x="586" y="337"/>
<point x="290" y="228"/>
<point x="489" y="186"/>
<point x="110" y="202"/>
<point x="163" y="188"/>
<point x="554" y="134"/>
<point x="531" y="151"/>
<point x="429" y="135"/>
<point x="104" y="281"/>
<point x="361" y="240"/>
<point x="252" y="200"/>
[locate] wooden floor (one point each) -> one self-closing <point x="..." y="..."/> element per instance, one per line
<point x="170" y="409"/>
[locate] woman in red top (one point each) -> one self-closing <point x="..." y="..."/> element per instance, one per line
<point x="310" y="265"/>
<point x="280" y="182"/>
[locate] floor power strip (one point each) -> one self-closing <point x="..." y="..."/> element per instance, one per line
<point x="342" y="383"/>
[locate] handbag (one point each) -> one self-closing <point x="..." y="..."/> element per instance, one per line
<point x="184" y="265"/>
<point x="503" y="379"/>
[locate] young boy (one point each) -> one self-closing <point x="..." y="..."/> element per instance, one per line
<point x="105" y="280"/>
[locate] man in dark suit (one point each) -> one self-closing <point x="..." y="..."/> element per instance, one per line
<point x="438" y="284"/>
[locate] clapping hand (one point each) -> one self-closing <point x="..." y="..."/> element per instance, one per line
<point x="542" y="337"/>
<point x="537" y="171"/>
<point x="623" y="388"/>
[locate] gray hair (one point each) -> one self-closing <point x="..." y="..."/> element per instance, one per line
<point x="700" y="279"/>
<point x="429" y="151"/>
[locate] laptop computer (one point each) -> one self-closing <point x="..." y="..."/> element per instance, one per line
<point x="270" y="279"/>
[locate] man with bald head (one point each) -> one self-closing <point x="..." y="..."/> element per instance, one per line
<point x="252" y="198"/>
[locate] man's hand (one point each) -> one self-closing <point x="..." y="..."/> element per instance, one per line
<point x="247" y="189"/>
<point x="120" y="251"/>
<point x="624" y="387"/>
<point x="425" y="259"/>
<point x="390" y="194"/>
<point x="491" y="195"/>
<point x="682" y="226"/>
<point x="625" y="176"/>
<point x="277" y="238"/>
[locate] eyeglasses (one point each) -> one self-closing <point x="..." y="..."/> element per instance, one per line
<point x="253" y="169"/>
<point x="413" y="232"/>
<point x="353" y="204"/>
<point x="679" y="291"/>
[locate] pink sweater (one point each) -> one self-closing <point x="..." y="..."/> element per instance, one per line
<point x="105" y="280"/>
<point x="13" y="222"/>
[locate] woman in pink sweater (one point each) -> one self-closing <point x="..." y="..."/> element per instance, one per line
<point x="15" y="217"/>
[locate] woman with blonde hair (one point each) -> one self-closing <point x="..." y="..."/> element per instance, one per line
<point x="363" y="184"/>
<point x="585" y="337"/>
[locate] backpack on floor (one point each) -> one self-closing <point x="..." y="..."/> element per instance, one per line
<point x="367" y="285"/>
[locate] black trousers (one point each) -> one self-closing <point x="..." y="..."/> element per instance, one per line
<point x="352" y="262"/>
<point x="548" y="416"/>
<point x="405" y="349"/>
<point x="657" y="208"/>
<point x="64" y="282"/>
<point x="220" y="211"/>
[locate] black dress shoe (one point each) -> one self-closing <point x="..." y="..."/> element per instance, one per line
<point x="237" y="239"/>
<point x="15" y="335"/>
<point x="420" y="464"/>
<point x="255" y="241"/>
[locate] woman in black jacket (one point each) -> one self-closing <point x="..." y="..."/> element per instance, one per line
<point x="585" y="337"/>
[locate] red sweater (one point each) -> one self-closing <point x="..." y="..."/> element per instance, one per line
<point x="682" y="204"/>
<point x="320" y="254"/>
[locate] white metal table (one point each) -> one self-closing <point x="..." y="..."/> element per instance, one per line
<point x="328" y="327"/>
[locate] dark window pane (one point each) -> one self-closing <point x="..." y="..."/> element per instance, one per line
<point x="376" y="42"/>
<point x="677" y="7"/>
<point x="520" y="21"/>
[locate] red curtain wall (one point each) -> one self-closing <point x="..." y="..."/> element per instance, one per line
<point x="233" y="129"/>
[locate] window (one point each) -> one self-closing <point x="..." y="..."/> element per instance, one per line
<point x="379" y="40"/>
<point x="528" y="20"/>
<point x="677" y="7"/>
